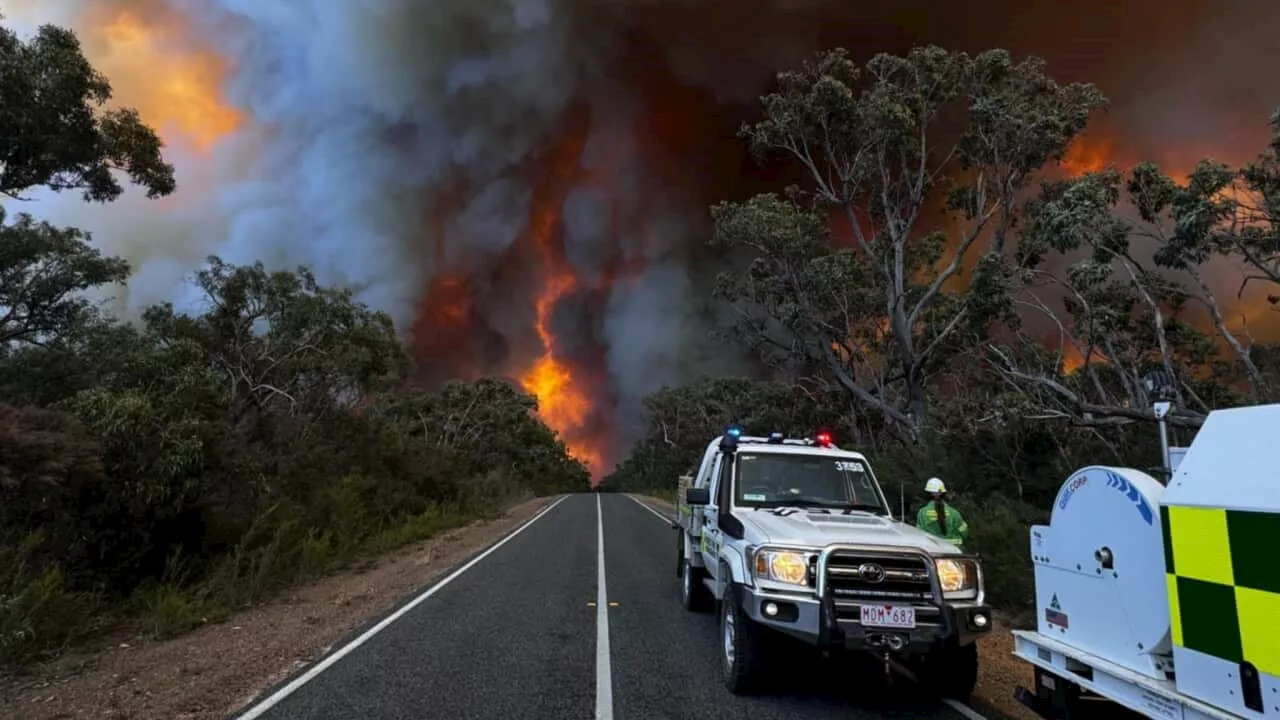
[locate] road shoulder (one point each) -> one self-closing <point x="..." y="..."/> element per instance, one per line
<point x="219" y="669"/>
<point x="1000" y="671"/>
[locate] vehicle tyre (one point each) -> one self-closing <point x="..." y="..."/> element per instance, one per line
<point x="950" y="673"/>
<point x="693" y="592"/>
<point x="742" y="656"/>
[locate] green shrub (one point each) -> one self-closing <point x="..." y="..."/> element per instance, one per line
<point x="168" y="610"/>
<point x="38" y="612"/>
<point x="1000" y="531"/>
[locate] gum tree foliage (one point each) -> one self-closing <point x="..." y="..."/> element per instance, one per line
<point x="1254" y="230"/>
<point x="46" y="269"/>
<point x="922" y="160"/>
<point x="1142" y="299"/>
<point x="281" y="342"/>
<point x="490" y="422"/>
<point x="54" y="131"/>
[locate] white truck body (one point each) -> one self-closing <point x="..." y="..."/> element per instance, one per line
<point x="1164" y="600"/>
<point x="859" y="578"/>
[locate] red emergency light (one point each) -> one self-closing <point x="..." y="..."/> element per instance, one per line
<point x="823" y="438"/>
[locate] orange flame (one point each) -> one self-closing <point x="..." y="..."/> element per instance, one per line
<point x="442" y="329"/>
<point x="1087" y="154"/>
<point x="562" y="403"/>
<point x="1073" y="358"/>
<point x="153" y="65"/>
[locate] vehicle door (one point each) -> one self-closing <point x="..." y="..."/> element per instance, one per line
<point x="722" y="501"/>
<point x="711" y="534"/>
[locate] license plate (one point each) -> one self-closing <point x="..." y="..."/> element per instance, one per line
<point x="889" y="616"/>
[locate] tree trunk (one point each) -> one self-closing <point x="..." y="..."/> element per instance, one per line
<point x="917" y="404"/>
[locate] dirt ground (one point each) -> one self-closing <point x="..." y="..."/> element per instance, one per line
<point x="1000" y="672"/>
<point x="127" y="678"/>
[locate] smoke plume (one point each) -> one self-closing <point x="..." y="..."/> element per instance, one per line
<point x="522" y="184"/>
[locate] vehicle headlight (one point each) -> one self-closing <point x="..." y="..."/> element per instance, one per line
<point x="958" y="578"/>
<point x="784" y="566"/>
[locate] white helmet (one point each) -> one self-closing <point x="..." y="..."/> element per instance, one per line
<point x="935" y="486"/>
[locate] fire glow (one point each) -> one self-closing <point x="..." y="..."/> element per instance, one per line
<point x="155" y="68"/>
<point x="563" y="404"/>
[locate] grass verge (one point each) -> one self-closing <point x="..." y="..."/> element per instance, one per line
<point x="41" y="617"/>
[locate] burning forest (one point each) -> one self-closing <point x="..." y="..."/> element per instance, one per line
<point x="524" y="184"/>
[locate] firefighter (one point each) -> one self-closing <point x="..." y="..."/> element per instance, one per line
<point x="939" y="518"/>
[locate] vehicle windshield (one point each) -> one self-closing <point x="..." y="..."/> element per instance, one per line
<point x="768" y="480"/>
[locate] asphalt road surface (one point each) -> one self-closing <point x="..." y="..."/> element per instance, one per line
<point x="519" y="633"/>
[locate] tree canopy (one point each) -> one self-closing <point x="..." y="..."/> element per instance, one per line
<point x="55" y="131"/>
<point x="918" y="158"/>
<point x="948" y="299"/>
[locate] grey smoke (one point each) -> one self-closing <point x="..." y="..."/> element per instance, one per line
<point x="493" y="219"/>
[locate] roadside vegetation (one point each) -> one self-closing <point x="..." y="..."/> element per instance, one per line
<point x="169" y="470"/>
<point x="943" y="294"/>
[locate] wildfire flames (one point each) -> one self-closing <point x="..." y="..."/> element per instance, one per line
<point x="562" y="403"/>
<point x="446" y="317"/>
<point x="1088" y="154"/>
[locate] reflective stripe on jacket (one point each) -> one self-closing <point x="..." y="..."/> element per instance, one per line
<point x="957" y="529"/>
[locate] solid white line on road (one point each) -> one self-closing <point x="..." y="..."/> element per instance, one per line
<point x="963" y="709"/>
<point x="325" y="664"/>
<point x="604" y="673"/>
<point x="649" y="507"/>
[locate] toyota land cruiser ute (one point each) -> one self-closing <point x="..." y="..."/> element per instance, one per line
<point x="795" y="537"/>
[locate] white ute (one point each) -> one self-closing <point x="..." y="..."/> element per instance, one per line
<point x="794" y="536"/>
<point x="1164" y="600"/>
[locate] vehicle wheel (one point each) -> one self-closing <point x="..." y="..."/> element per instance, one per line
<point x="950" y="673"/>
<point x="693" y="592"/>
<point x="742" y="656"/>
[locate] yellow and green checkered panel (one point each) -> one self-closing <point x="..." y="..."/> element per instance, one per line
<point x="1224" y="583"/>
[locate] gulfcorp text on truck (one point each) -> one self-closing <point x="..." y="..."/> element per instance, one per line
<point x="794" y="537"/>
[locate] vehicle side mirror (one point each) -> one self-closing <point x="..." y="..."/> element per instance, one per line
<point x="697" y="496"/>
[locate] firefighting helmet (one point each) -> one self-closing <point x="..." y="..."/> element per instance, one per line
<point x="935" y="486"/>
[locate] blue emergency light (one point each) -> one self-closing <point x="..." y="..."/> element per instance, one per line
<point x="729" y="442"/>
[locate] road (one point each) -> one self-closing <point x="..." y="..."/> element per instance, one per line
<point x="518" y="633"/>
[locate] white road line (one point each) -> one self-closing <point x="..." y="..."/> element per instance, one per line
<point x="963" y="709"/>
<point x="325" y="664"/>
<point x="604" y="673"/>
<point x="649" y="507"/>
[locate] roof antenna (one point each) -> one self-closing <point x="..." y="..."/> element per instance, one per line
<point x="902" y="500"/>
